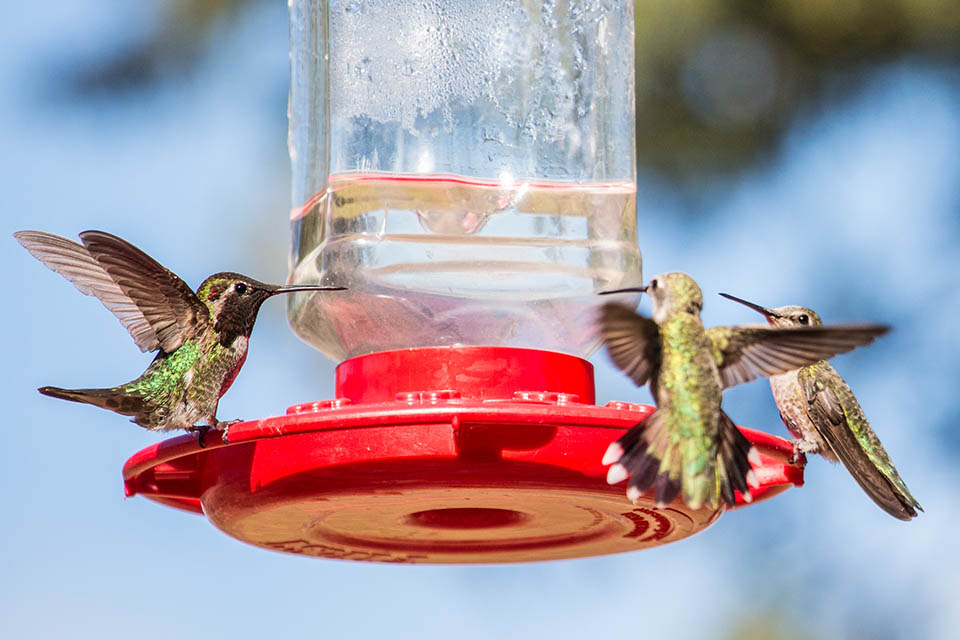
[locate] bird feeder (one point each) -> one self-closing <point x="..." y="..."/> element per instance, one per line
<point x="467" y="170"/>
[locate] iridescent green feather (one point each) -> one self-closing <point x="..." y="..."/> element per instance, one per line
<point x="166" y="375"/>
<point x="720" y="342"/>
<point x="689" y="400"/>
<point x="208" y="381"/>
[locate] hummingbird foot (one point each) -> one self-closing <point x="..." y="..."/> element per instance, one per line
<point x="800" y="447"/>
<point x="201" y="431"/>
<point x="224" y="427"/>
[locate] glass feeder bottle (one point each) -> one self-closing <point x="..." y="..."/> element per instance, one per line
<point x="465" y="167"/>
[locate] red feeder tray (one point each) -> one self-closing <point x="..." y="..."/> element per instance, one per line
<point x="434" y="455"/>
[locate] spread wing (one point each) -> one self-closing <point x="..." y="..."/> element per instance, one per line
<point x="632" y="340"/>
<point x="153" y="304"/>
<point x="744" y="353"/>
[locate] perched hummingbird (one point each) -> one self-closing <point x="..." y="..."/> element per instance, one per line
<point x="201" y="337"/>
<point x="820" y="410"/>
<point x="689" y="444"/>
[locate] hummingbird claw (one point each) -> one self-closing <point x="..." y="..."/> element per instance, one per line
<point x="797" y="454"/>
<point x="200" y="430"/>
<point x="224" y="427"/>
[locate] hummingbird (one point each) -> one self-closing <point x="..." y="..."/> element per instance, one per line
<point x="689" y="445"/>
<point x="201" y="338"/>
<point x="820" y="411"/>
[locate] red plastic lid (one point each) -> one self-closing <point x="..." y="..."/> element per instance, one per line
<point x="435" y="455"/>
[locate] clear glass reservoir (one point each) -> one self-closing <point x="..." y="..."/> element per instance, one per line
<point x="465" y="167"/>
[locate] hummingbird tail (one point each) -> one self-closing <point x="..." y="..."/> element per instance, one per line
<point x="733" y="461"/>
<point x="109" y="399"/>
<point x="638" y="453"/>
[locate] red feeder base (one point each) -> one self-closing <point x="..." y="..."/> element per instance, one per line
<point x="434" y="455"/>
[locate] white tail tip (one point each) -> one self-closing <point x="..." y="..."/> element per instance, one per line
<point x="753" y="457"/>
<point x="614" y="453"/>
<point x="617" y="473"/>
<point x="633" y="494"/>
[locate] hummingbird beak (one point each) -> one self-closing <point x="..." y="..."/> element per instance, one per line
<point x="767" y="313"/>
<point x="642" y="289"/>
<point x="305" y="287"/>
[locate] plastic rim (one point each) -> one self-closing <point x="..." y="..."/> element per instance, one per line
<point x="497" y="470"/>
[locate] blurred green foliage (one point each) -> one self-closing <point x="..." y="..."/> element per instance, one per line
<point x="175" y="44"/>
<point x="770" y="625"/>
<point x="718" y="81"/>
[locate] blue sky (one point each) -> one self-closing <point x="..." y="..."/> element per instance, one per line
<point x="856" y="215"/>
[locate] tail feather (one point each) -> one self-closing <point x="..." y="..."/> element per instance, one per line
<point x="632" y="446"/>
<point x="733" y="461"/>
<point x="666" y="489"/>
<point x="641" y="450"/>
<point x="110" y="399"/>
<point x="646" y="455"/>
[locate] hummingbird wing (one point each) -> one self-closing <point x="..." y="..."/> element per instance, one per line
<point x="137" y="291"/>
<point x="72" y="260"/>
<point x="169" y="305"/>
<point x="744" y="352"/>
<point x="837" y="416"/>
<point x="632" y="340"/>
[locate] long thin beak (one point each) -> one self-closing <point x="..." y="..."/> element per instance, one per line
<point x="768" y="314"/>
<point x="627" y="290"/>
<point x="305" y="287"/>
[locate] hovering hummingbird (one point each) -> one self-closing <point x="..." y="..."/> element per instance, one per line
<point x="689" y="444"/>
<point x="820" y="410"/>
<point x="201" y="337"/>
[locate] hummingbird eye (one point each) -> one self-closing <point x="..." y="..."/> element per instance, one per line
<point x="653" y="285"/>
<point x="240" y="288"/>
<point x="803" y="319"/>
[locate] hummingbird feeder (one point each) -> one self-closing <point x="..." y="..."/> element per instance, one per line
<point x="467" y="170"/>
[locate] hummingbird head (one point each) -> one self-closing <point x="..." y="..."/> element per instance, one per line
<point x="782" y="317"/>
<point x="234" y="300"/>
<point x="674" y="293"/>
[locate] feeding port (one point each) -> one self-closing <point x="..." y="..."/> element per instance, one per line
<point x="434" y="455"/>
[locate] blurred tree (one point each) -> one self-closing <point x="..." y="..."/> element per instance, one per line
<point x="173" y="46"/>
<point x="718" y="81"/>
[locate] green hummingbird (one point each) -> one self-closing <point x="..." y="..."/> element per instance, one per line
<point x="201" y="338"/>
<point x="688" y="444"/>
<point x="820" y="411"/>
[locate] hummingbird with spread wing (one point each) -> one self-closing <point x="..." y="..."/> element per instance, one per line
<point x="688" y="446"/>
<point x="820" y="411"/>
<point x="201" y="337"/>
